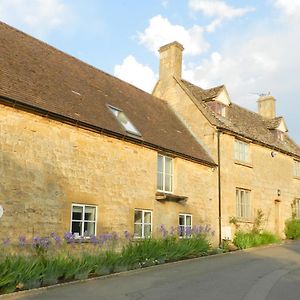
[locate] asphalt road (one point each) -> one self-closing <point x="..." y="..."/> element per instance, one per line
<point x="271" y="273"/>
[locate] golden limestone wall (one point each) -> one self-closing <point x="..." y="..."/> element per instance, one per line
<point x="180" y="102"/>
<point x="45" y="166"/>
<point x="263" y="176"/>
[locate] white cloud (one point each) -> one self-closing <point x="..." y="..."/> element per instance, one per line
<point x="263" y="63"/>
<point x="160" y="32"/>
<point x="219" y="10"/>
<point x="289" y="7"/>
<point x="37" y="16"/>
<point x="135" y="73"/>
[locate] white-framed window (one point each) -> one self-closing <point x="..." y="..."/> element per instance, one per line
<point x="241" y="151"/>
<point x="123" y="120"/>
<point x="83" y="220"/>
<point x="142" y="223"/>
<point x="185" y="225"/>
<point x="297" y="208"/>
<point x="164" y="173"/>
<point x="243" y="205"/>
<point x="296" y="168"/>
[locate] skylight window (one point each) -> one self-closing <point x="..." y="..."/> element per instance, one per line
<point x="123" y="120"/>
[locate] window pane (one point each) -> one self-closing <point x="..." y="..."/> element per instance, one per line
<point x="147" y="217"/>
<point x="147" y="231"/>
<point x="168" y="183"/>
<point x="160" y="183"/>
<point x="168" y="165"/>
<point x="181" y="230"/>
<point x="77" y="212"/>
<point x="89" y="229"/>
<point x="137" y="230"/>
<point x="188" y="220"/>
<point x="90" y="213"/>
<point x="76" y="227"/>
<point x="181" y="219"/>
<point x="138" y="216"/>
<point x="160" y="163"/>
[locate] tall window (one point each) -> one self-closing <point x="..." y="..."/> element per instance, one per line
<point x="164" y="173"/>
<point x="142" y="223"/>
<point x="83" y="221"/>
<point x="243" y="207"/>
<point x="296" y="168"/>
<point x="241" y="151"/>
<point x="185" y="225"/>
<point x="297" y="208"/>
<point x="123" y="120"/>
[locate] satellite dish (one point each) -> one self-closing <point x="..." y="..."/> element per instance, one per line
<point x="1" y="211"/>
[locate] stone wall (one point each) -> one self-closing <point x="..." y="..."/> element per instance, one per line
<point x="45" y="166"/>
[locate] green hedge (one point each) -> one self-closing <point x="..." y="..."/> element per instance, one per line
<point x="292" y="229"/>
<point x="244" y="240"/>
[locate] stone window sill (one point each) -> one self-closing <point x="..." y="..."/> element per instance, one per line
<point x="160" y="196"/>
<point x="243" y="163"/>
<point x="297" y="177"/>
<point x="248" y="221"/>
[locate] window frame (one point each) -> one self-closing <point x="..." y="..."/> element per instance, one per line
<point x="243" y="210"/>
<point x="134" y="130"/>
<point x="241" y="155"/>
<point x="218" y="107"/>
<point x="142" y="223"/>
<point x="185" y="226"/>
<point x="164" y="174"/>
<point x="83" y="221"/>
<point x="296" y="168"/>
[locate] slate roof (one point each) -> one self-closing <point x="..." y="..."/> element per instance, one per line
<point x="242" y="122"/>
<point x="38" y="75"/>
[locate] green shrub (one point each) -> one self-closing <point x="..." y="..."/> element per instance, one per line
<point x="292" y="229"/>
<point x="244" y="240"/>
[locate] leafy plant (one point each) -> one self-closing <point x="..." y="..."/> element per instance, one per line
<point x="292" y="229"/>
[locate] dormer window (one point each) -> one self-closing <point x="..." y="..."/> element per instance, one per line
<point x="123" y="120"/>
<point x="218" y="107"/>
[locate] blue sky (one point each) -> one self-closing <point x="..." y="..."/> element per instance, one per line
<point x="250" y="46"/>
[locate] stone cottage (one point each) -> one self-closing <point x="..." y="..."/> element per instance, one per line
<point x="83" y="151"/>
<point x="258" y="163"/>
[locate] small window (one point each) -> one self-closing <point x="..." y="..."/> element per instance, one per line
<point x="142" y="223"/>
<point x="164" y="173"/>
<point x="243" y="204"/>
<point x="185" y="225"/>
<point x="218" y="107"/>
<point x="123" y="120"/>
<point x="296" y="168"/>
<point x="83" y="221"/>
<point x="297" y="208"/>
<point x="241" y="151"/>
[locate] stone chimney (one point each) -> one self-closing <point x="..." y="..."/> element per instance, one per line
<point x="170" y="61"/>
<point x="267" y="106"/>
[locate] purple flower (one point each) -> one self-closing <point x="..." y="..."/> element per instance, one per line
<point x="6" y="242"/>
<point x="69" y="237"/>
<point x="56" y="238"/>
<point x="127" y="235"/>
<point x="172" y="230"/>
<point x="163" y="231"/>
<point x="94" y="240"/>
<point x="22" y="240"/>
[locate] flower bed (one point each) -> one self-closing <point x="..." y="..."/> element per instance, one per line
<point x="50" y="260"/>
